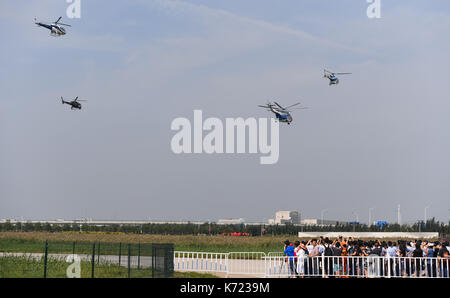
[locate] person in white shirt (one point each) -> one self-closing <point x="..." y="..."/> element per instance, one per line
<point x="391" y="253"/>
<point x="301" y="253"/>
<point x="313" y="264"/>
<point x="391" y="250"/>
<point x="410" y="248"/>
<point x="321" y="246"/>
<point x="310" y="246"/>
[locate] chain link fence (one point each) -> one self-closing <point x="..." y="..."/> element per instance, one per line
<point x="162" y="260"/>
<point x="89" y="260"/>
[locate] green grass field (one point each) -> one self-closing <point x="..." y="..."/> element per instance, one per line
<point x="62" y="242"/>
<point x="27" y="267"/>
<point x="33" y="242"/>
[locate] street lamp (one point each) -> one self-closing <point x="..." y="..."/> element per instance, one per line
<point x="357" y="220"/>
<point x="321" y="215"/>
<point x="370" y="216"/>
<point x="426" y="214"/>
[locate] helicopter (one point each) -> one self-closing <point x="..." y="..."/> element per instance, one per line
<point x="282" y="114"/>
<point x="332" y="76"/>
<point x="75" y="104"/>
<point x="56" y="28"/>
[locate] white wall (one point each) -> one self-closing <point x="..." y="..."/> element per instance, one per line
<point x="376" y="235"/>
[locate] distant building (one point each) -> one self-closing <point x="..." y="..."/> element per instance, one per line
<point x="319" y="222"/>
<point x="285" y="217"/>
<point x="231" y="221"/>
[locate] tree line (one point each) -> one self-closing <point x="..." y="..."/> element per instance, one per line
<point x="211" y="228"/>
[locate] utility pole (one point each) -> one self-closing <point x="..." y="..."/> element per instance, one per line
<point x="399" y="221"/>
<point x="357" y="220"/>
<point x="425" y="218"/>
<point x="321" y="215"/>
<point x="370" y="216"/>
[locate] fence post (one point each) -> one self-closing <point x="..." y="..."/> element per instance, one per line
<point x="129" y="258"/>
<point x="98" y="253"/>
<point x="153" y="260"/>
<point x="93" y="260"/>
<point x="73" y="248"/>
<point x="388" y="266"/>
<point x="227" y="265"/>
<point x="45" y="258"/>
<point x="265" y="264"/>
<point x="120" y="251"/>
<point x="323" y="265"/>
<point x="139" y="256"/>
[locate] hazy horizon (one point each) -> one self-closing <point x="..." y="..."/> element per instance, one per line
<point x="378" y="139"/>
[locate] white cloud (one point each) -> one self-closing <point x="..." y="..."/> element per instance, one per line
<point x="218" y="16"/>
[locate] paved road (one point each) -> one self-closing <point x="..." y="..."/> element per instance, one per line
<point x="236" y="267"/>
<point x="145" y="261"/>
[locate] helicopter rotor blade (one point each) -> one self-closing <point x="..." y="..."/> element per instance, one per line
<point x="64" y="25"/>
<point x="293" y="105"/>
<point x="279" y="105"/>
<point x="290" y="111"/>
<point x="335" y="73"/>
<point x="58" y="20"/>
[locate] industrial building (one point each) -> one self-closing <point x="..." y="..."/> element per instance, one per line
<point x="231" y="221"/>
<point x="322" y="222"/>
<point x="285" y="217"/>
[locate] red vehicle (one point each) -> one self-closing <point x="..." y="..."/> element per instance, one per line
<point x="235" y="234"/>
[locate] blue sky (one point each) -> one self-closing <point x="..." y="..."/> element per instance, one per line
<point x="375" y="141"/>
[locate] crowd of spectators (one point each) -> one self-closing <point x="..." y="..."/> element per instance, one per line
<point x="349" y="257"/>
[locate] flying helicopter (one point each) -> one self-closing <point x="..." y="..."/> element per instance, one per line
<point x="75" y="104"/>
<point x="332" y="76"/>
<point x="282" y="114"/>
<point x="56" y="28"/>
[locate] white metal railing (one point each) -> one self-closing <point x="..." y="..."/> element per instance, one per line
<point x="258" y="264"/>
<point x="275" y="254"/>
<point x="247" y="263"/>
<point x="355" y="266"/>
<point x="201" y="262"/>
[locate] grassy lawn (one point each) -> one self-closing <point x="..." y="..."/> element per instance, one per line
<point x="62" y="242"/>
<point x="23" y="267"/>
